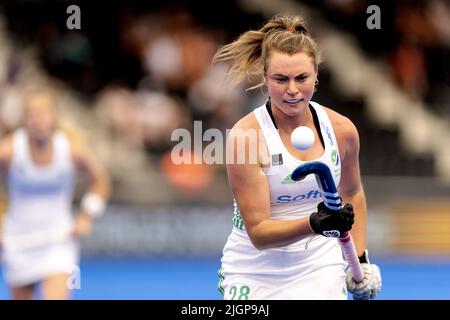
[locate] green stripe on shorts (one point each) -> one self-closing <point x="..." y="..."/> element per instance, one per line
<point x="219" y="285"/>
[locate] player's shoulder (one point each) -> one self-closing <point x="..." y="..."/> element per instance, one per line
<point x="343" y="127"/>
<point x="78" y="144"/>
<point x="248" y="122"/>
<point x="70" y="132"/>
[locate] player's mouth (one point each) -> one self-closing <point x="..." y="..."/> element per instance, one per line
<point x="293" y="102"/>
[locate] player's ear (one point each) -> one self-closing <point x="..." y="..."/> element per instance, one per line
<point x="265" y="78"/>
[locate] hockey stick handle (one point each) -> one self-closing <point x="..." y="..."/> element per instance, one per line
<point x="332" y="201"/>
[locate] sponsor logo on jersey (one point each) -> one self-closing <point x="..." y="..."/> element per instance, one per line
<point x="51" y="184"/>
<point x="328" y="132"/>
<point x="335" y="157"/>
<point x="288" y="179"/>
<point x="286" y="198"/>
<point x="337" y="172"/>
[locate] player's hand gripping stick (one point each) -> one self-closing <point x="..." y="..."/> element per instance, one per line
<point x="332" y="201"/>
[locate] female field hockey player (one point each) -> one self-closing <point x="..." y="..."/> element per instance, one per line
<point x="272" y="251"/>
<point x="39" y="163"/>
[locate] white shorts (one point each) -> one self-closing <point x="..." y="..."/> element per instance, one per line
<point x="24" y="267"/>
<point x="323" y="284"/>
<point x="286" y="273"/>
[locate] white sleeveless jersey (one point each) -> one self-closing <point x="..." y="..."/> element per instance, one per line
<point x="289" y="200"/>
<point x="40" y="197"/>
<point x="39" y="210"/>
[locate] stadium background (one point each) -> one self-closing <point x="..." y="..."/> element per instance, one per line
<point x="136" y="71"/>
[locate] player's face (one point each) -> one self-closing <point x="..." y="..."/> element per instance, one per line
<point x="290" y="81"/>
<point x="40" y="116"/>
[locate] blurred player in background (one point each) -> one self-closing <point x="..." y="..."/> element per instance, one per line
<point x="39" y="163"/>
<point x="268" y="255"/>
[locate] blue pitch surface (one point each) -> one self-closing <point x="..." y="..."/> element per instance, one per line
<point x="196" y="279"/>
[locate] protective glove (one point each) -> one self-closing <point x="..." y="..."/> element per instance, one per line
<point x="330" y="223"/>
<point x="370" y="286"/>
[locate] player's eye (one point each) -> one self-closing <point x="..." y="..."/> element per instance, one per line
<point x="281" y="79"/>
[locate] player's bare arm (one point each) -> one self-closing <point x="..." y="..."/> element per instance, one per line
<point x="350" y="186"/>
<point x="6" y="148"/>
<point x="87" y="164"/>
<point x="98" y="191"/>
<point x="251" y="191"/>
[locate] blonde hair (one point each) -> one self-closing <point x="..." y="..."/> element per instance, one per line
<point x="249" y="53"/>
<point x="73" y="132"/>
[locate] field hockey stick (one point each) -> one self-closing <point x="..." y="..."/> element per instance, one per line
<point x="332" y="201"/>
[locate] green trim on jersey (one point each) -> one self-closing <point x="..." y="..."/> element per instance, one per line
<point x="219" y="285"/>
<point x="237" y="218"/>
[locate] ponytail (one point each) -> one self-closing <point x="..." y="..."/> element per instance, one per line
<point x="247" y="56"/>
